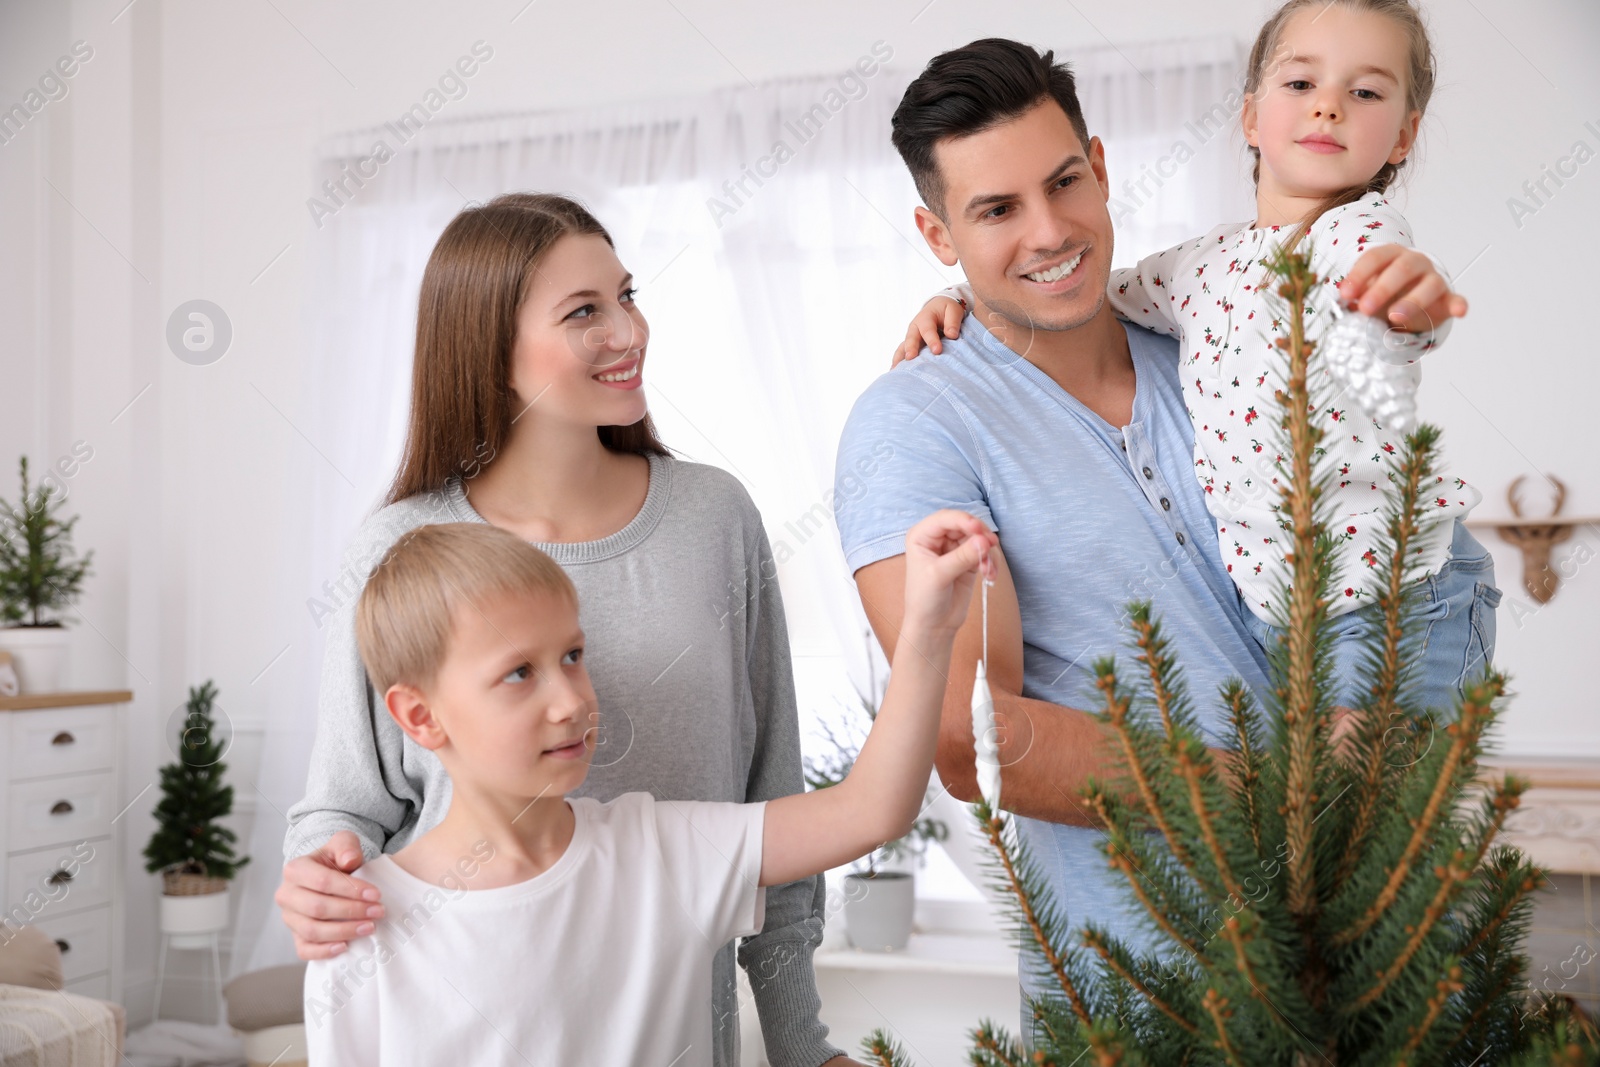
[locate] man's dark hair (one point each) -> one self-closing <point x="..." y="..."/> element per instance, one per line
<point x="971" y="89"/>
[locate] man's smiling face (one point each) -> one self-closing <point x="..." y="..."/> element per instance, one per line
<point x="1025" y="215"/>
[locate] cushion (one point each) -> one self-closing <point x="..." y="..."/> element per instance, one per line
<point x="29" y="957"/>
<point x="273" y="997"/>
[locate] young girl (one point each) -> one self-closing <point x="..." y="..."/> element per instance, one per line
<point x="1334" y="96"/>
<point x="528" y="413"/>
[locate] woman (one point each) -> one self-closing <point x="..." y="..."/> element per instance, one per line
<point x="527" y="413"/>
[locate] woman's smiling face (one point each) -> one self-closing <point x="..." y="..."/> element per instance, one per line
<point x="581" y="339"/>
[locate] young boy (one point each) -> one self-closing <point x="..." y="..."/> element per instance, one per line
<point x="527" y="928"/>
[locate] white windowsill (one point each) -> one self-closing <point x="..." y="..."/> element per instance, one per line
<point x="972" y="955"/>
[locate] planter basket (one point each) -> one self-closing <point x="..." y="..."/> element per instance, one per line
<point x="180" y="884"/>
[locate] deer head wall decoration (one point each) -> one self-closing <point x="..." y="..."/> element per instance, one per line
<point x="1536" y="540"/>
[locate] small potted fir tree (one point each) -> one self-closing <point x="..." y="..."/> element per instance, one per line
<point x="878" y="903"/>
<point x="1313" y="901"/>
<point x="40" y="575"/>
<point x="191" y="849"/>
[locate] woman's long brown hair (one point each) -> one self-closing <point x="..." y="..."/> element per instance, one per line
<point x="462" y="402"/>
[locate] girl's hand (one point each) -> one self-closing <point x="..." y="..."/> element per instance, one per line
<point x="944" y="554"/>
<point x="939" y="317"/>
<point x="1403" y="287"/>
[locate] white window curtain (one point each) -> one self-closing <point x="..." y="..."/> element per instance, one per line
<point x="776" y="283"/>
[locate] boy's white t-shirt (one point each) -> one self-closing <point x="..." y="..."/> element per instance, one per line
<point x="603" y="958"/>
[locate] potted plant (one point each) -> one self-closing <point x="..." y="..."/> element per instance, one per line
<point x="879" y="903"/>
<point x="190" y="848"/>
<point x="39" y="576"/>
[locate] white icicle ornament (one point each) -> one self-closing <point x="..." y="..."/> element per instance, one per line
<point x="983" y="733"/>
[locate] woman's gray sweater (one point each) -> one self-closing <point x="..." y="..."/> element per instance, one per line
<point x="689" y="654"/>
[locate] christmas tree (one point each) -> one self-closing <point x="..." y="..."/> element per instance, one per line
<point x="190" y="839"/>
<point x="38" y="573"/>
<point x="1315" y="898"/>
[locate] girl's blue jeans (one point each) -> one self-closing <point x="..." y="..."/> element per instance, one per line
<point x="1457" y="614"/>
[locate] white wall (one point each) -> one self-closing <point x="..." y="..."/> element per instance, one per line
<point x="179" y="166"/>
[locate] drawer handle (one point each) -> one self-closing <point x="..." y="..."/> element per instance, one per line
<point x="64" y="946"/>
<point x="61" y="807"/>
<point x="63" y="738"/>
<point x="60" y="877"/>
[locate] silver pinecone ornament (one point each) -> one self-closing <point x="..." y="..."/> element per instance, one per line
<point x="1366" y="367"/>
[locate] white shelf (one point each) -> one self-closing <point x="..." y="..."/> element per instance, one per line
<point x="1476" y="523"/>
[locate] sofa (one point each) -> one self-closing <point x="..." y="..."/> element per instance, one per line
<point x="41" y="1024"/>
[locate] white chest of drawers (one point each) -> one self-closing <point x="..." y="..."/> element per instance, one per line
<point x="60" y="860"/>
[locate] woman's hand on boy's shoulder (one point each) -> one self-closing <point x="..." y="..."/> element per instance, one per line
<point x="939" y="318"/>
<point x="323" y="906"/>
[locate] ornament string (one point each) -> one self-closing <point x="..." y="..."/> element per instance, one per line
<point x="986" y="584"/>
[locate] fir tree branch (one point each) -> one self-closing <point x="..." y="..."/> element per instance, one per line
<point x="1490" y="1000"/>
<point x="1094" y="940"/>
<point x="1247" y="973"/>
<point x="1192" y="771"/>
<point x="1444" y="989"/>
<point x="999" y="1049"/>
<point x="1120" y="861"/>
<point x="1491" y="957"/>
<point x="1507" y="798"/>
<point x="1242" y="961"/>
<point x="1569" y="1043"/>
<point x="1111" y="1048"/>
<point x="992" y="828"/>
<point x="1117" y="703"/>
<point x="1300" y="693"/>
<point x="1384" y="706"/>
<point x="1476" y="709"/>
<point x="1450" y="876"/>
<point x="882" y="1051"/>
<point x="1042" y="1018"/>
<point x="1153" y="654"/>
<point x="1534" y="878"/>
<point x="1216" y="1006"/>
<point x="1247" y="763"/>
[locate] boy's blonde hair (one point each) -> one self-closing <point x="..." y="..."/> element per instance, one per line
<point x="405" y="614"/>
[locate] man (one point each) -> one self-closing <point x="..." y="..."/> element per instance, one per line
<point x="1063" y="429"/>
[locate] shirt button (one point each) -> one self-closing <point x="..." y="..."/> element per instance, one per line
<point x="1166" y="505"/>
<point x="1147" y="473"/>
<point x="1180" y="537"/>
